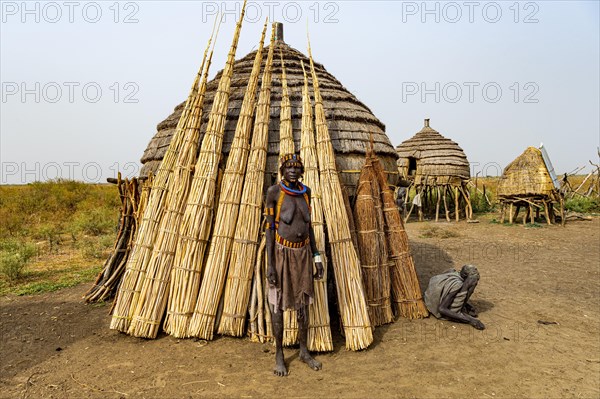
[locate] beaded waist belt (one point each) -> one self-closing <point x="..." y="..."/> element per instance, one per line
<point x="290" y="244"/>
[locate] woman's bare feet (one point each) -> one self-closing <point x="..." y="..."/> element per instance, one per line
<point x="312" y="363"/>
<point x="280" y="370"/>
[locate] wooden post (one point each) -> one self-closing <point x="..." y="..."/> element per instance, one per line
<point x="517" y="209"/>
<point x="546" y="213"/>
<point x="531" y="213"/>
<point x="468" y="207"/>
<point x="445" y="204"/>
<point x="456" y="203"/>
<point x="437" y="205"/>
<point x="510" y="214"/>
<point x="562" y="212"/>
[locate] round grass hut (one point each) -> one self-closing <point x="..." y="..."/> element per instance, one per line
<point x="526" y="183"/>
<point x="350" y="121"/>
<point x="439" y="171"/>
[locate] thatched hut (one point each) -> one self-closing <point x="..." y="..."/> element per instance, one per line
<point x="527" y="183"/>
<point x="439" y="171"/>
<point x="350" y="121"/>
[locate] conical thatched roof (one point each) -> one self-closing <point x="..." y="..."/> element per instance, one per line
<point x="350" y="121"/>
<point x="429" y="154"/>
<point x="526" y="176"/>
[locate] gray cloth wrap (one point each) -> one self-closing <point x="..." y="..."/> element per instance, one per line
<point x="441" y="286"/>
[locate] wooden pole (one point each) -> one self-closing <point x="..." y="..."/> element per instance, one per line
<point x="468" y="208"/>
<point x="531" y="214"/>
<point x="445" y="204"/>
<point x="546" y="213"/>
<point x="510" y="214"/>
<point x="456" y="203"/>
<point x="437" y="205"/>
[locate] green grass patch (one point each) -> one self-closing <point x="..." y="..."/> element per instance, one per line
<point x="583" y="205"/>
<point x="38" y="282"/>
<point x="54" y="234"/>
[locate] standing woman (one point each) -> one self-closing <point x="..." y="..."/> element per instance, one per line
<point x="291" y="249"/>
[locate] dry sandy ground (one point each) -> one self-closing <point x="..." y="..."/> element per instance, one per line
<point x="54" y="346"/>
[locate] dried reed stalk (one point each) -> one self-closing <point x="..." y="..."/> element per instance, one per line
<point x="286" y="146"/>
<point x="346" y="265"/>
<point x="406" y="292"/>
<point x="319" y="330"/>
<point x="153" y="295"/>
<point x="196" y="222"/>
<point x="127" y="297"/>
<point x="245" y="243"/>
<point x="369" y="220"/>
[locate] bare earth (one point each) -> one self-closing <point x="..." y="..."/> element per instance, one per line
<point x="55" y="346"/>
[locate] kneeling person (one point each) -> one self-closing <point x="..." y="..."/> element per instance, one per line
<point x="448" y="294"/>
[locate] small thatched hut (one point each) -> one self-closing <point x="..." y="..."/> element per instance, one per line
<point x="439" y="171"/>
<point x="527" y="183"/>
<point x="350" y="122"/>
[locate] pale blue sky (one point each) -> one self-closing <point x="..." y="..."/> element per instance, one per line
<point x="543" y="56"/>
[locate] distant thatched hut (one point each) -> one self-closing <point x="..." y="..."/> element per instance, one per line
<point x="350" y="122"/>
<point x="439" y="170"/>
<point x="527" y="182"/>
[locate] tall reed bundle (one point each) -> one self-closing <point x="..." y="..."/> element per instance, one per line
<point x="286" y="137"/>
<point x="153" y="295"/>
<point x="406" y="292"/>
<point x="197" y="218"/>
<point x="346" y="265"/>
<point x="141" y="252"/>
<point x="243" y="252"/>
<point x="233" y="177"/>
<point x="368" y="215"/>
<point x="286" y="146"/>
<point x="319" y="330"/>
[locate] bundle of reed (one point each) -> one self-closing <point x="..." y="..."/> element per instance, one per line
<point x="141" y="252"/>
<point x="319" y="330"/>
<point x="373" y="250"/>
<point x="152" y="299"/>
<point x="346" y="265"/>
<point x="286" y="146"/>
<point x="259" y="313"/>
<point x="112" y="271"/>
<point x="406" y="292"/>
<point x="256" y="314"/>
<point x="243" y="252"/>
<point x="180" y="311"/>
<point x="197" y="218"/>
